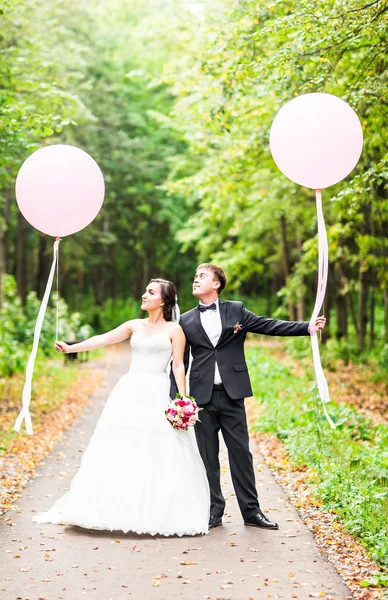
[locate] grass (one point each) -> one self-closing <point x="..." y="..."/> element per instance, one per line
<point x="51" y="382"/>
<point x="350" y="463"/>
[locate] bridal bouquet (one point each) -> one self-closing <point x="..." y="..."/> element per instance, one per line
<point x="182" y="412"/>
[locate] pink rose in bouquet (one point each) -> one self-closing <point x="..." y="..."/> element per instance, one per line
<point x="182" y="412"/>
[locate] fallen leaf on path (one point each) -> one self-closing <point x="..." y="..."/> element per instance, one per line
<point x="23" y="454"/>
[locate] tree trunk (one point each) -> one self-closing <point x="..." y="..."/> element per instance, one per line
<point x="21" y="257"/>
<point x="112" y="271"/>
<point x="348" y="298"/>
<point x="340" y="305"/>
<point x="300" y="308"/>
<point x="43" y="269"/>
<point x="146" y="273"/>
<point x="372" y="303"/>
<point x="3" y="240"/>
<point x="286" y="263"/>
<point x="327" y="305"/>
<point x="386" y="314"/>
<point x="268" y="297"/>
<point x="341" y="316"/>
<point x="362" y="305"/>
<point x="99" y="286"/>
<point x="2" y="264"/>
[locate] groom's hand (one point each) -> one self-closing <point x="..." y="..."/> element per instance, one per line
<point x="320" y="323"/>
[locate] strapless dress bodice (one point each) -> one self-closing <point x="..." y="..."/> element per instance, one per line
<point x="150" y="354"/>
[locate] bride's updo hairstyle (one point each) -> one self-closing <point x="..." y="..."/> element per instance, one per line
<point x="168" y="293"/>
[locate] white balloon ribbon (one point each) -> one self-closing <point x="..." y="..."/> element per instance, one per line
<point x="26" y="397"/>
<point x="323" y="263"/>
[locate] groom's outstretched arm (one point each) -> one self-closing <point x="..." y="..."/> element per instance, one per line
<point x="186" y="360"/>
<point x="255" y="324"/>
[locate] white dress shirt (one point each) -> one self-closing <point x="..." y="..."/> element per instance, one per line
<point x="211" y="322"/>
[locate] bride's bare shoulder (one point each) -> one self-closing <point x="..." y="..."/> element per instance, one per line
<point x="174" y="328"/>
<point x="134" y="325"/>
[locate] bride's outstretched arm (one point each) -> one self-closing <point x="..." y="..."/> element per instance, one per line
<point x="178" y="365"/>
<point x="114" y="336"/>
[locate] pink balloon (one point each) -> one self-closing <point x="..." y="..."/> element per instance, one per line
<point x="316" y="140"/>
<point x="60" y="189"/>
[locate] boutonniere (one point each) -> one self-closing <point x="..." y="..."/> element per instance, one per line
<point x="237" y="328"/>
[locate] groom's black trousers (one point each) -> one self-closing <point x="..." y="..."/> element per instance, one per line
<point x="228" y="415"/>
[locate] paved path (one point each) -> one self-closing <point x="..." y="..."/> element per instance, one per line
<point x="233" y="562"/>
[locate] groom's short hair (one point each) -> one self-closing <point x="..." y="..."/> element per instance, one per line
<point x="218" y="272"/>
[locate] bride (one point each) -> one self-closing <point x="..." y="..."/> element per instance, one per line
<point x="138" y="473"/>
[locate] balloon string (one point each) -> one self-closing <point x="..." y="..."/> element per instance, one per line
<point x="57" y="278"/>
<point x="26" y="396"/>
<point x="323" y="265"/>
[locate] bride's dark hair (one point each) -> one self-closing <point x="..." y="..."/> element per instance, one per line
<point x="168" y="293"/>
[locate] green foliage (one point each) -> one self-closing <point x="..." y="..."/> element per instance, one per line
<point x="334" y="353"/>
<point x="13" y="330"/>
<point x="350" y="463"/>
<point x="17" y="324"/>
<point x="112" y="313"/>
<point x="70" y="74"/>
<point x="175" y="101"/>
<point x="249" y="59"/>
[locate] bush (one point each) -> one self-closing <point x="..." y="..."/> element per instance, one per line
<point x="17" y="325"/>
<point x="350" y="463"/>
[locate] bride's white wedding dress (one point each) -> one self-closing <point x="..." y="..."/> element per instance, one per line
<point x="138" y="473"/>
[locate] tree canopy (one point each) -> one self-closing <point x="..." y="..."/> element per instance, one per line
<point x="175" y="100"/>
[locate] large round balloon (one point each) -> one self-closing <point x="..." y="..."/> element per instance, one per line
<point x="60" y="189"/>
<point x="316" y="140"/>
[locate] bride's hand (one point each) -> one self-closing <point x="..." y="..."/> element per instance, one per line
<point x="62" y="347"/>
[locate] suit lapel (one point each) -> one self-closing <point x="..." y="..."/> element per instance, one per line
<point x="197" y="319"/>
<point x="222" y="305"/>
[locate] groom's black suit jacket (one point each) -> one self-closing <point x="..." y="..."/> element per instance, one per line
<point x="229" y="351"/>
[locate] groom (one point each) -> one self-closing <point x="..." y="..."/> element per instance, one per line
<point x="215" y="332"/>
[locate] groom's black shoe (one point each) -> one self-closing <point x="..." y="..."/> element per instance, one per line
<point x="260" y="520"/>
<point x="214" y="521"/>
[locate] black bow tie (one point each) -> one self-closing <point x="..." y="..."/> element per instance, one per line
<point x="202" y="307"/>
